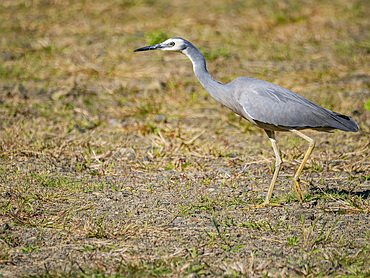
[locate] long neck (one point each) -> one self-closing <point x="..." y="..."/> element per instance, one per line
<point x="200" y="69"/>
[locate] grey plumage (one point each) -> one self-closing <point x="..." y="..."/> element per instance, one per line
<point x="265" y="104"/>
<point x="280" y="109"/>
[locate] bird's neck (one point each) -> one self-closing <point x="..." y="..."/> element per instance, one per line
<point x="212" y="86"/>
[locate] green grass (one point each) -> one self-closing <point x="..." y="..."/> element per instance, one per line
<point x="115" y="163"/>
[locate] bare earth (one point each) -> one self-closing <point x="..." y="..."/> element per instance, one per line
<point x="118" y="164"/>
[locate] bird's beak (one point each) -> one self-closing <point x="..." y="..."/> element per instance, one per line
<point x="152" y="47"/>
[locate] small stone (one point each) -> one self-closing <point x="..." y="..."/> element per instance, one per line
<point x="7" y="56"/>
<point x="4" y="228"/>
<point x="160" y="118"/>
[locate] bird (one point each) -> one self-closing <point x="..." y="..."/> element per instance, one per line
<point x="266" y="105"/>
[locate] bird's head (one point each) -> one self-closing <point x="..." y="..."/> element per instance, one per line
<point x="173" y="44"/>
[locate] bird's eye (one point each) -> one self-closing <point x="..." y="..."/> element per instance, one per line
<point x="172" y="43"/>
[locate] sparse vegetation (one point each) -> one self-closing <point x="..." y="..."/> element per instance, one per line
<point x="116" y="164"/>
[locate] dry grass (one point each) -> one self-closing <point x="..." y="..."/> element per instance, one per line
<point x="114" y="163"/>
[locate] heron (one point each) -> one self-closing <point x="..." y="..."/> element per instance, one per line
<point x="266" y="105"/>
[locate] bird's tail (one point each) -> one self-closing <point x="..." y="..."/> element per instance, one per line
<point x="345" y="123"/>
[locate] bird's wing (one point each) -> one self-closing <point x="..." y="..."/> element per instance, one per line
<point x="271" y="104"/>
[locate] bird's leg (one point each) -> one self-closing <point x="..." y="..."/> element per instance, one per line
<point x="271" y="135"/>
<point x="311" y="143"/>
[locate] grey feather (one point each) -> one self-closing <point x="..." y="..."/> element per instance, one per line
<point x="282" y="109"/>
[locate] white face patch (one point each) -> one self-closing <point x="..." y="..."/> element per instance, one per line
<point x="174" y="45"/>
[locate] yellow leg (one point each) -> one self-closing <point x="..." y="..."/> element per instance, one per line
<point x="278" y="162"/>
<point x="311" y="143"/>
<point x="271" y="136"/>
<point x="297" y="188"/>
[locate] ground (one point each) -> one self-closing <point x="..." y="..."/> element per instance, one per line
<point x="114" y="163"/>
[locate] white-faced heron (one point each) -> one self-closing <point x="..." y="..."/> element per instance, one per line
<point x="264" y="104"/>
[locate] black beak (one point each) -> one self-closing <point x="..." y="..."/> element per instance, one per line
<point x="152" y="47"/>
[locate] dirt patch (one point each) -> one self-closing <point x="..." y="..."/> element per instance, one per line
<point x="155" y="205"/>
<point x="117" y="164"/>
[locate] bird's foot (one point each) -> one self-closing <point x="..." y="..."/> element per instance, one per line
<point x="264" y="204"/>
<point x="304" y="182"/>
<point x="298" y="190"/>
